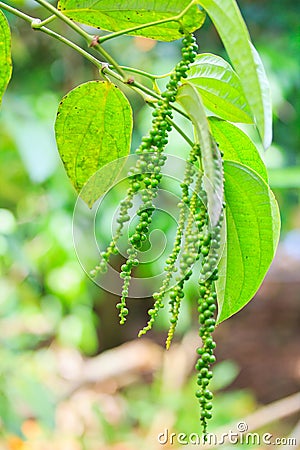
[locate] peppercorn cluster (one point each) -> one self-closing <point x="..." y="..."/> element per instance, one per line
<point x="170" y="267"/>
<point x="145" y="177"/>
<point x="195" y="222"/>
<point x="206" y="309"/>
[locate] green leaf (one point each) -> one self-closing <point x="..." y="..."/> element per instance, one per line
<point x="5" y="54"/>
<point x="220" y="88"/>
<point x="116" y="15"/>
<point x="252" y="234"/>
<point x="93" y="128"/>
<point x="237" y="146"/>
<point x="231" y="27"/>
<point x="190" y="99"/>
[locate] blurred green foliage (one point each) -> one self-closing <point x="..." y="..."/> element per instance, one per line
<point x="46" y="298"/>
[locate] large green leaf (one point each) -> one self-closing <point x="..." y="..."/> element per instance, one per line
<point x="252" y="234"/>
<point x="116" y="15"/>
<point x="220" y="88"/>
<point x="190" y="99"/>
<point x="227" y="19"/>
<point x="5" y="54"/>
<point x="93" y="127"/>
<point x="237" y="146"/>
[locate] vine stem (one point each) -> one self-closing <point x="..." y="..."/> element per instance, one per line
<point x="145" y="74"/>
<point x="16" y="12"/>
<point x="40" y="23"/>
<point x="180" y="131"/>
<point x="88" y="37"/>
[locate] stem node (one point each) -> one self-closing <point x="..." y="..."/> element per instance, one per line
<point x="104" y="66"/>
<point x="36" y="24"/>
<point x="94" y="41"/>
